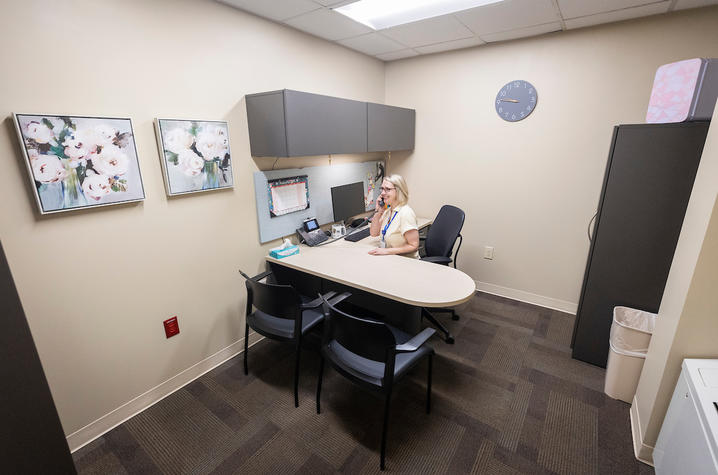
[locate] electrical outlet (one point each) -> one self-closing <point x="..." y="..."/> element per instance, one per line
<point x="171" y="326"/>
<point x="488" y="252"/>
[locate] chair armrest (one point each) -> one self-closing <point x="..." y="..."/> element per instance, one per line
<point x="437" y="259"/>
<point x="416" y="341"/>
<point x="256" y="278"/>
<point x="335" y="300"/>
<point x="317" y="302"/>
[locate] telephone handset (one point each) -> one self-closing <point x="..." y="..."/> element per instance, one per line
<point x="310" y="233"/>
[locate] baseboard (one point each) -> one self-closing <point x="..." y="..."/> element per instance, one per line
<point x="528" y="297"/>
<point x="109" y="421"/>
<point x="643" y="452"/>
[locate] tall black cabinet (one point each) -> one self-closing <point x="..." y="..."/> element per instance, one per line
<point x="648" y="181"/>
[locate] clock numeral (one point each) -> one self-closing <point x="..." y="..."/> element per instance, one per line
<point x="506" y="114"/>
<point x="533" y="98"/>
<point x="528" y="108"/>
<point x="498" y="101"/>
<point x="517" y="84"/>
<point x="503" y="93"/>
<point x="523" y="114"/>
<point x="513" y="116"/>
<point x="501" y="109"/>
<point x="531" y="91"/>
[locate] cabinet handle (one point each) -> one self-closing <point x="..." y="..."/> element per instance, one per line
<point x="588" y="230"/>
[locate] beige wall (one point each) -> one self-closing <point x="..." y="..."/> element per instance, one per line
<point x="96" y="285"/>
<point x="530" y="188"/>
<point x="687" y="326"/>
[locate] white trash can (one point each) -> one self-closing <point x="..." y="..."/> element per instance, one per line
<point x="631" y="332"/>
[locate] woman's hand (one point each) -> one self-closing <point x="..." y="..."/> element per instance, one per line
<point x="381" y="251"/>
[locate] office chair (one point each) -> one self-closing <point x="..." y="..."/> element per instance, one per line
<point x="281" y="313"/>
<point x="371" y="354"/>
<point x="438" y="244"/>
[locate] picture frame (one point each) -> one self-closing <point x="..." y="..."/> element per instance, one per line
<point x="195" y="155"/>
<point x="78" y="162"/>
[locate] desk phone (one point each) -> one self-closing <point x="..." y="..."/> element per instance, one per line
<point x="310" y="233"/>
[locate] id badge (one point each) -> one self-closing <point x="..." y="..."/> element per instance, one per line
<point x="382" y="243"/>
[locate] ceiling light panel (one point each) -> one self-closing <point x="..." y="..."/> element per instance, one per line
<point x="380" y="14"/>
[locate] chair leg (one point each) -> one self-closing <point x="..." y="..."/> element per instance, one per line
<point x="428" y="386"/>
<point x="246" y="347"/>
<point x="319" y="382"/>
<point x="448" y="337"/>
<point x="382" y="464"/>
<point x="454" y="316"/>
<point x="296" y="376"/>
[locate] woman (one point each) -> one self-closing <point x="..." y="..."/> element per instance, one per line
<point x="396" y="225"/>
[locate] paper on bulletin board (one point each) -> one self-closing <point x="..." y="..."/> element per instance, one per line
<point x="288" y="195"/>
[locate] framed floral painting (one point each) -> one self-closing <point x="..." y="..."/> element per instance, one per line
<point x="80" y="162"/>
<point x="195" y="155"/>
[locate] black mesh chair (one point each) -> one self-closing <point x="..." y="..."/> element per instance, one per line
<point x="281" y="313"/>
<point x="439" y="244"/>
<point x="371" y="354"/>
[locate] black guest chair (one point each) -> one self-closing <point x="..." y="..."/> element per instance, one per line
<point x="281" y="313"/>
<point x="438" y="245"/>
<point x="371" y="354"/>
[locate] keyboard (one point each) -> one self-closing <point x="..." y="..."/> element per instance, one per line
<point x="357" y="235"/>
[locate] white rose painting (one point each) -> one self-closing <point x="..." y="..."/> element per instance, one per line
<point x="195" y="155"/>
<point x="80" y="162"/>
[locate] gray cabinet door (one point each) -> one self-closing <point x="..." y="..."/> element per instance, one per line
<point x="265" y="120"/>
<point x="320" y="125"/>
<point x="647" y="185"/>
<point x="390" y="128"/>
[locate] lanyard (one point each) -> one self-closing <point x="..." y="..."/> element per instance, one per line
<point x="383" y="231"/>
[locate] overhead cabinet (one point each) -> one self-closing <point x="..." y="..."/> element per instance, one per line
<point x="390" y="128"/>
<point x="290" y="123"/>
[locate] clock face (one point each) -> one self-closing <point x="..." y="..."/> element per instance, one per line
<point x="516" y="100"/>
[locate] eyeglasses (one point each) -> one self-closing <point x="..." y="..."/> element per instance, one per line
<point x="386" y="190"/>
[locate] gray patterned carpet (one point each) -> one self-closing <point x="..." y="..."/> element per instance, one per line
<point x="507" y="398"/>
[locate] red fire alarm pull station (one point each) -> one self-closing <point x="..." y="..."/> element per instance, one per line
<point x="171" y="326"/>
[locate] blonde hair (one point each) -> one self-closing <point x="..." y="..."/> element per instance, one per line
<point x="402" y="190"/>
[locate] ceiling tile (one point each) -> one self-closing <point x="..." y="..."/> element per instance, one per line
<point x="372" y="44"/>
<point x="405" y="53"/>
<point x="683" y="4"/>
<point x="332" y="3"/>
<point x="508" y="15"/>
<point x="627" y="14"/>
<point x="522" y="32"/>
<point x="427" y="32"/>
<point x="578" y="8"/>
<point x="328" y="24"/>
<point x="450" y="45"/>
<point x="277" y="11"/>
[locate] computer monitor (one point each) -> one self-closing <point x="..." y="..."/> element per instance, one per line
<point x="348" y="200"/>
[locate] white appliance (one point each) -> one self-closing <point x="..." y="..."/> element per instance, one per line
<point x="687" y="441"/>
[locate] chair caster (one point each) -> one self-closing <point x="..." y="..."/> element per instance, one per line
<point x="454" y="316"/>
<point x="449" y="340"/>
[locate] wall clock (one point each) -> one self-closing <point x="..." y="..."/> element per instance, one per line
<point x="516" y="100"/>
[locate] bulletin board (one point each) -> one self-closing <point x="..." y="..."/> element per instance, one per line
<point x="281" y="208"/>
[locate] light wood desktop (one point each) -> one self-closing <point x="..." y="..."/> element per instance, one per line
<point x="409" y="281"/>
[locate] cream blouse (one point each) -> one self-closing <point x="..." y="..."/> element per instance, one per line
<point x="405" y="220"/>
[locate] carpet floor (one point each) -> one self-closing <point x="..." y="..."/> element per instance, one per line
<point x="507" y="398"/>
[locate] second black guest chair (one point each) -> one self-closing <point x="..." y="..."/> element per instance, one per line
<point x="280" y="313"/>
<point x="371" y="354"/>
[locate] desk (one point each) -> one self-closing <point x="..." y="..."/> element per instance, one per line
<point x="407" y="283"/>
